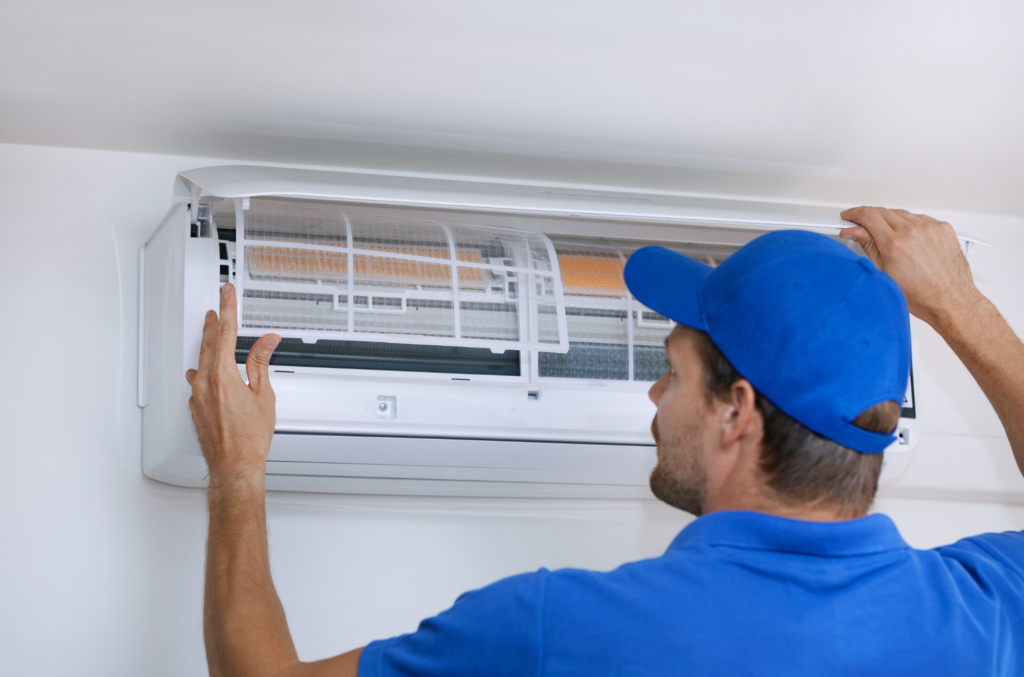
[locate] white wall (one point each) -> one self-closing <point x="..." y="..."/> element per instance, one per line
<point x="101" y="568"/>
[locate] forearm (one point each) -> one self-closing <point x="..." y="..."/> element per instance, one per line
<point x="994" y="355"/>
<point x="244" y="623"/>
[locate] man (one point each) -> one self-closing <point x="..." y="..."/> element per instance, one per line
<point x="783" y="383"/>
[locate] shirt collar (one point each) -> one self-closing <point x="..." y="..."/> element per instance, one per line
<point x="758" y="531"/>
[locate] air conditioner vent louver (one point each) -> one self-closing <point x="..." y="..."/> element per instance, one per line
<point x="322" y="271"/>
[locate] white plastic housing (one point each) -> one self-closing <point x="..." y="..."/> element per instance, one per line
<point x="562" y="425"/>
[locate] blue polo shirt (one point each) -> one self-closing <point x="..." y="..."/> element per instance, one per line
<point x="742" y="593"/>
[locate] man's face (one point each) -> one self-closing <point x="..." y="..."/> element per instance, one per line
<point x="682" y="426"/>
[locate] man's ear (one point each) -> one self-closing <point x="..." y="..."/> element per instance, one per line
<point x="739" y="415"/>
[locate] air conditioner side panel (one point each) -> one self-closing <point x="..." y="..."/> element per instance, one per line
<point x="181" y="275"/>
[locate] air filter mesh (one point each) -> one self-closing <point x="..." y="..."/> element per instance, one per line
<point x="408" y="279"/>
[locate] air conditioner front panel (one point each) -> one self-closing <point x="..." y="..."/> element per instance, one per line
<point x="579" y="412"/>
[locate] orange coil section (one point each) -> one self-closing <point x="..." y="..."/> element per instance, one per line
<point x="288" y="262"/>
<point x="285" y="262"/>
<point x="592" y="276"/>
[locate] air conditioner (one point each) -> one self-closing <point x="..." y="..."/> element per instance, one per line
<point x="441" y="337"/>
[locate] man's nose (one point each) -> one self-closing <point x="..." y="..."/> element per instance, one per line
<point x="658" y="389"/>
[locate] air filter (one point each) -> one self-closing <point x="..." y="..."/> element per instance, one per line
<point x="612" y="336"/>
<point x="323" y="271"/>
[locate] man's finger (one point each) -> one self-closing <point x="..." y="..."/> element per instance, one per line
<point x="908" y="217"/>
<point x="257" y="364"/>
<point x="208" y="346"/>
<point x="227" y="330"/>
<point x="894" y="217"/>
<point x="190" y="375"/>
<point x="871" y="219"/>
<point x="861" y="236"/>
<point x="856" y="233"/>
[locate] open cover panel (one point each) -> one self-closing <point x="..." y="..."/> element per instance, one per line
<point x="313" y="270"/>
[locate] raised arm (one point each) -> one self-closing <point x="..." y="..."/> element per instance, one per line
<point x="244" y="624"/>
<point x="923" y="256"/>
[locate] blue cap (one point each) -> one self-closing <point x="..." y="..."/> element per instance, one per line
<point x="815" y="328"/>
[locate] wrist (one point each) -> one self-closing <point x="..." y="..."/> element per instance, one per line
<point x="237" y="484"/>
<point x="957" y="319"/>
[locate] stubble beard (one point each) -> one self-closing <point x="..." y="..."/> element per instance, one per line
<point x="680" y="479"/>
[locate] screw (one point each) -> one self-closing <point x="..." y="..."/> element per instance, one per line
<point x="383" y="406"/>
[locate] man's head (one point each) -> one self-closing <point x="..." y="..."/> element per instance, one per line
<point x="717" y="435"/>
<point x="784" y="376"/>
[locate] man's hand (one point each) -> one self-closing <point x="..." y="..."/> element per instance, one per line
<point x="234" y="420"/>
<point x="923" y="256"/>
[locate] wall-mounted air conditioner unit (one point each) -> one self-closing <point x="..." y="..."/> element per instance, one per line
<point x="441" y="337"/>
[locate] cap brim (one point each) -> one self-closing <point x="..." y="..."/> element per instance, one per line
<point x="667" y="283"/>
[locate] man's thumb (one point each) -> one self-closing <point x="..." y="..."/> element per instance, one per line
<point x="861" y="236"/>
<point x="257" y="364"/>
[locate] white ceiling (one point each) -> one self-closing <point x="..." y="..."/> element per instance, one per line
<point x="910" y="103"/>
